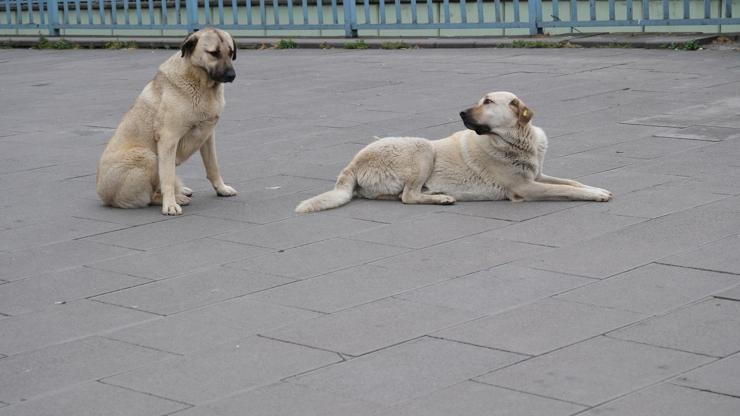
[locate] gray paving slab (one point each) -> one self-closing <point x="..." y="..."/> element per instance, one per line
<point x="711" y="327"/>
<point x="92" y="399"/>
<point x="720" y="255"/>
<point x="260" y="211"/>
<point x="642" y="243"/>
<point x="428" y="230"/>
<point x="194" y="330"/>
<point x="495" y="290"/>
<point x="652" y="289"/>
<point x="540" y="327"/>
<point x="167" y="233"/>
<point x="721" y="376"/>
<point x="54" y="368"/>
<point x="668" y="400"/>
<point x="594" y="371"/>
<point x="649" y="147"/>
<point x="298" y="231"/>
<point x="204" y="287"/>
<point x="55" y="257"/>
<point x="475" y="253"/>
<point x="406" y="371"/>
<point x="224" y="370"/>
<point x="476" y="399"/>
<point x="584" y="222"/>
<point x="702" y="133"/>
<point x="731" y="294"/>
<point x="179" y="259"/>
<point x="662" y="199"/>
<point x="287" y="399"/>
<point x="319" y="258"/>
<point x="51" y="232"/>
<point x="45" y="290"/>
<point x="345" y="288"/>
<point x="66" y="322"/>
<point x="366" y="328"/>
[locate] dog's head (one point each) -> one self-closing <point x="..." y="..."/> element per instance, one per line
<point x="497" y="110"/>
<point x="212" y="50"/>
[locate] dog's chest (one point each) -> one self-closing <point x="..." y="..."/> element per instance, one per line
<point x="194" y="139"/>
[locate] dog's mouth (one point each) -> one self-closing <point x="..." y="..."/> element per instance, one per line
<point x="480" y="129"/>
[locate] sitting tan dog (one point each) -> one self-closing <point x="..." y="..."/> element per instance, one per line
<point x="173" y="117"/>
<point x="500" y="157"/>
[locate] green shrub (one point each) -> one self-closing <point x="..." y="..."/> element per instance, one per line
<point x="286" y="44"/>
<point x="358" y="44"/>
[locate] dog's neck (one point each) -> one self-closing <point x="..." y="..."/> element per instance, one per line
<point x="519" y="136"/>
<point x="192" y="79"/>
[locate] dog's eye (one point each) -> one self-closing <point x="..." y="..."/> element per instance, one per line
<point x="487" y="101"/>
<point x="213" y="53"/>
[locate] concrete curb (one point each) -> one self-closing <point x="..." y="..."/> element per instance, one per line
<point x="595" y="40"/>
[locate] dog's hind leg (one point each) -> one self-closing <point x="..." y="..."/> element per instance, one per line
<point x="412" y="190"/>
<point x="130" y="182"/>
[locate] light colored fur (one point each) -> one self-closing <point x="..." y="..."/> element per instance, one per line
<point x="173" y="117"/>
<point x="504" y="161"/>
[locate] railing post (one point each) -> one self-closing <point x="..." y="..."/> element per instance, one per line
<point x="52" y="7"/>
<point x="350" y="18"/>
<point x="535" y="16"/>
<point x="192" y="13"/>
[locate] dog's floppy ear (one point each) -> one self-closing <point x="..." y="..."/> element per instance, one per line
<point x="523" y="112"/>
<point x="233" y="49"/>
<point x="188" y="45"/>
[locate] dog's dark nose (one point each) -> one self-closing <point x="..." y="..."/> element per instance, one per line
<point x="229" y="75"/>
<point x="462" y="114"/>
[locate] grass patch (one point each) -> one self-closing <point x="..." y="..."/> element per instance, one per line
<point x="120" y="44"/>
<point x="286" y="44"/>
<point x="536" y="44"/>
<point x="358" y="44"/>
<point x="394" y="45"/>
<point x="45" y="43"/>
<point x="691" y="45"/>
<point x="325" y="45"/>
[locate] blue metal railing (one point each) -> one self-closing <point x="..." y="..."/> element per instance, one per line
<point x="353" y="15"/>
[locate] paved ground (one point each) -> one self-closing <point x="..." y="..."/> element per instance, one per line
<point x="241" y="307"/>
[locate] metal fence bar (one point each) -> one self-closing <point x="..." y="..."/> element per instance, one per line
<point x="151" y="11"/>
<point x="629" y="10"/>
<point x="275" y="12"/>
<point x="612" y="12"/>
<point x="8" y="19"/>
<point x="516" y="10"/>
<point x="463" y="12"/>
<point x="304" y="6"/>
<point x="413" y="11"/>
<point x="263" y="13"/>
<point x="592" y="9"/>
<point x="556" y="10"/>
<point x="290" y="12"/>
<point x="138" y="12"/>
<point x="78" y="15"/>
<point x="707" y="8"/>
<point x="366" y="8"/>
<point x="446" y="4"/>
<point x="398" y="11"/>
<point x="381" y="11"/>
<point x="728" y="8"/>
<point x="497" y="9"/>
<point x="30" y="12"/>
<point x="645" y="9"/>
<point x="430" y="12"/>
<point x="665" y="9"/>
<point x="686" y="12"/>
<point x="206" y="12"/>
<point x="220" y="11"/>
<point x="573" y="11"/>
<point x="320" y="11"/>
<point x="334" y="15"/>
<point x="481" y="17"/>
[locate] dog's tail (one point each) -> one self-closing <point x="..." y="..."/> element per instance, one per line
<point x="340" y="195"/>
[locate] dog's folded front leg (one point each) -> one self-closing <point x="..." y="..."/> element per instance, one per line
<point x="210" y="161"/>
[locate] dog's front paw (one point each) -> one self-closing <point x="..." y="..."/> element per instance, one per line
<point x="187" y="191"/>
<point x="601" y="195"/>
<point x="225" y="190"/>
<point x="446" y="200"/>
<point x="171" y="209"/>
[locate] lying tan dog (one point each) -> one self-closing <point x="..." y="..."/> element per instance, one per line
<point x="173" y="117"/>
<point x="500" y="157"/>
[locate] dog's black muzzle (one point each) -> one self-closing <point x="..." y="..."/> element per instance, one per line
<point x="226" y="76"/>
<point x="472" y="125"/>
